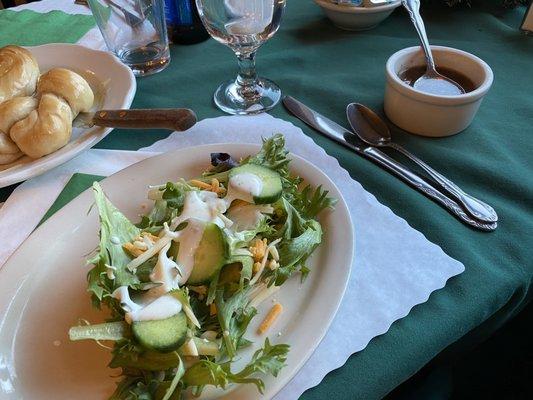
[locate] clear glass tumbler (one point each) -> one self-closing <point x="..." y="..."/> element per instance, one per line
<point x="243" y="26"/>
<point x="135" y="30"/>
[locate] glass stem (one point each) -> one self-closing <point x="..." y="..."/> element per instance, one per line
<point x="247" y="77"/>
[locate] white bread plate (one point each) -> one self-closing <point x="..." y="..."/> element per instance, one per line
<point x="114" y="86"/>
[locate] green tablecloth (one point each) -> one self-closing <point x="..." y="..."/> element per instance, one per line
<point x="328" y="68"/>
<point x="55" y="26"/>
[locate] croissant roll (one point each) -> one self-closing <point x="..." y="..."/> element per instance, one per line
<point x="46" y="129"/>
<point x="19" y="72"/>
<point x="68" y="85"/>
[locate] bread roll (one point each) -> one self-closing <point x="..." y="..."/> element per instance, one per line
<point x="68" y="85"/>
<point x="9" y="158"/>
<point x="18" y="72"/>
<point x="14" y="110"/>
<point x="44" y="130"/>
<point x="9" y="151"/>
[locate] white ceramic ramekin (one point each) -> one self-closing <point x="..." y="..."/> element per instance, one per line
<point x="354" y="18"/>
<point x="431" y="115"/>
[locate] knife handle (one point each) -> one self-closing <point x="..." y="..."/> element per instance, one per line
<point x="175" y="119"/>
<point x="424" y="187"/>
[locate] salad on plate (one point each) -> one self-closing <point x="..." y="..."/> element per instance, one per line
<point x="183" y="284"/>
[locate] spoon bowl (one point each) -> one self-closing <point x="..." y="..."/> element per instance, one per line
<point x="431" y="82"/>
<point x="438" y="84"/>
<point x="370" y="128"/>
<point x="367" y="125"/>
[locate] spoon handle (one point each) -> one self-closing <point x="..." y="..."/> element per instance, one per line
<point x="413" y="8"/>
<point x="476" y="208"/>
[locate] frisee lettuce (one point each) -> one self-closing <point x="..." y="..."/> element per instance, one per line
<point x="234" y="315"/>
<point x="268" y="360"/>
<point x="115" y="230"/>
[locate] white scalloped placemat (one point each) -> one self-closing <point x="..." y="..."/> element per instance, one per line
<point x="395" y="267"/>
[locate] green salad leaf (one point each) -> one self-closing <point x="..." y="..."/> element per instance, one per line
<point x="268" y="360"/>
<point x="234" y="315"/>
<point x="115" y="230"/>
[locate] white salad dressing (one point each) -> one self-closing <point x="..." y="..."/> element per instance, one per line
<point x="122" y="294"/>
<point x="165" y="272"/>
<point x="243" y="186"/>
<point x="161" y="308"/>
<point x="200" y="207"/>
<point x="189" y="239"/>
<point x="110" y="271"/>
<point x="247" y="216"/>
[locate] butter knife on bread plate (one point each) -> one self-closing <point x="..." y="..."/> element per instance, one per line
<point x="175" y="119"/>
<point x="348" y="139"/>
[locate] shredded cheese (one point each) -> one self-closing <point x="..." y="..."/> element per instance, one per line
<point x="274" y="312"/>
<point x="214" y="186"/>
<point x="263" y="262"/>
<point x="145" y="256"/>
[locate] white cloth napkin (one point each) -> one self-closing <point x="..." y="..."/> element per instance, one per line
<point x="395" y="267"/>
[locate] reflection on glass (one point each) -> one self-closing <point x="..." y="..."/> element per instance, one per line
<point x="135" y="31"/>
<point x="243" y="25"/>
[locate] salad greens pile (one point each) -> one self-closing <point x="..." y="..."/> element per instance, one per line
<point x="183" y="284"/>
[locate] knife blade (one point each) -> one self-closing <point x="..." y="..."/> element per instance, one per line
<point x="346" y="138"/>
<point x="175" y="119"/>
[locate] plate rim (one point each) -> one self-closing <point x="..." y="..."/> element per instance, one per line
<point x="35" y="168"/>
<point x="279" y="384"/>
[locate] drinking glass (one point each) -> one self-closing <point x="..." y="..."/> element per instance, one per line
<point x="135" y="30"/>
<point x="243" y="26"/>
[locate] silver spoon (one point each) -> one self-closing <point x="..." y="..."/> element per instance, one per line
<point x="370" y="128"/>
<point x="431" y="82"/>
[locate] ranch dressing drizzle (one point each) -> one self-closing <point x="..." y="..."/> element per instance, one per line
<point x="161" y="308"/>
<point x="189" y="239"/>
<point x="247" y="216"/>
<point x="200" y="207"/>
<point x="165" y="272"/>
<point x="243" y="186"/>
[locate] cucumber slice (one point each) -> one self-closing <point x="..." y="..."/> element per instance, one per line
<point x="162" y="335"/>
<point x="271" y="180"/>
<point x="210" y="255"/>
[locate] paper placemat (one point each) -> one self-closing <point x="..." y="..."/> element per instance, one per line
<point x="395" y="267"/>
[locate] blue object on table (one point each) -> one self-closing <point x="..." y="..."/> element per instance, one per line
<point x="183" y="22"/>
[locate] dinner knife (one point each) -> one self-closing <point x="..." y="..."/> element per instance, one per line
<point x="175" y="119"/>
<point x="345" y="137"/>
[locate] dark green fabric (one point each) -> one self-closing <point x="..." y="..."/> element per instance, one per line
<point x="30" y="28"/>
<point x="327" y="68"/>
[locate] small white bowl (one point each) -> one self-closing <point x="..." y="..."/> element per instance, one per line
<point x="354" y="18"/>
<point x="432" y="115"/>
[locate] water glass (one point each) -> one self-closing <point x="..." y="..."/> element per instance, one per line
<point x="135" y="30"/>
<point x="243" y="26"/>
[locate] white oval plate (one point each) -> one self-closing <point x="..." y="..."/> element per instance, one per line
<point x="102" y="69"/>
<point x="43" y="288"/>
